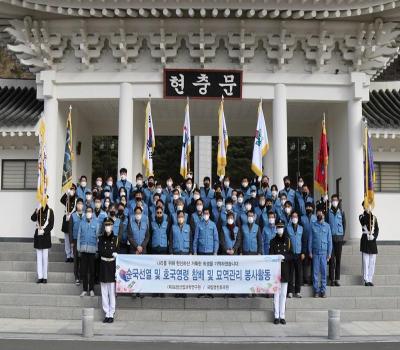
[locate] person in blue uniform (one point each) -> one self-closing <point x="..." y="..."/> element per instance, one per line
<point x="206" y="192"/>
<point x="302" y="198"/>
<point x="159" y="232"/>
<point x="123" y="243"/>
<point x="206" y="238"/>
<point x="320" y="247"/>
<point x="337" y="222"/>
<point x="230" y="236"/>
<point x="197" y="216"/>
<point x="74" y="222"/>
<point x="264" y="187"/>
<point x="306" y="222"/>
<point x="226" y="188"/>
<point x="123" y="182"/>
<point x="218" y="209"/>
<point x="252" y="243"/>
<point x="69" y="201"/>
<point x="180" y="237"/>
<point x="268" y="231"/>
<point x="82" y="188"/>
<point x="87" y="247"/>
<point x="298" y="244"/>
<point x="138" y="231"/>
<point x="290" y="192"/>
<point x="245" y="187"/>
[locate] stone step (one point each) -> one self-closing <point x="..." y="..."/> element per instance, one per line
<point x="70" y="289"/>
<point x="26" y="247"/>
<point x="31" y="266"/>
<point x="188" y="316"/>
<point x="193" y="303"/>
<point x="30" y="256"/>
<point x="380" y="269"/>
<point x="30" y="276"/>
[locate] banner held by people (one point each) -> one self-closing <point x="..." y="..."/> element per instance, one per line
<point x="261" y="145"/>
<point x="321" y="172"/>
<point x="68" y="155"/>
<point x="41" y="193"/>
<point x="186" y="144"/>
<point x="223" y="141"/>
<point x="256" y="274"/>
<point x="369" y="172"/>
<point x="149" y="142"/>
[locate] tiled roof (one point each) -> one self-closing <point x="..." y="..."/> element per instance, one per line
<point x="19" y="106"/>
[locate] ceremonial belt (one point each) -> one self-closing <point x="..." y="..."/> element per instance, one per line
<point x="107" y="259"/>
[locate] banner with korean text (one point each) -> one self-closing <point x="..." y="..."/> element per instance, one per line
<point x="185" y="274"/>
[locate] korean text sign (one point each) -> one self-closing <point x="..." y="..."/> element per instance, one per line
<point x="181" y="274"/>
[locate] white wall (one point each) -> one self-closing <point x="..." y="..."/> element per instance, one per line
<point x="386" y="208"/>
<point x="17" y="206"/>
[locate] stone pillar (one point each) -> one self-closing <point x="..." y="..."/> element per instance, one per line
<point x="138" y="137"/>
<point x="55" y="139"/>
<point x="202" y="158"/>
<point x="355" y="170"/>
<point x="279" y="146"/>
<point x="125" y="129"/>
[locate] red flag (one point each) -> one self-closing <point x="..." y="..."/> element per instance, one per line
<point x="321" y="172"/>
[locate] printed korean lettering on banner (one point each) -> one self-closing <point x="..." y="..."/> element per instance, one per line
<point x="258" y="274"/>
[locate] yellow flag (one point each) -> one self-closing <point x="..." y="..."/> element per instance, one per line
<point x="222" y="141"/>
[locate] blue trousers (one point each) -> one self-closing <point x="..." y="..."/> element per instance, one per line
<point x="319" y="267"/>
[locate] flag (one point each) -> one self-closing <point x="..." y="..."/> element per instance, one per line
<point x="68" y="156"/>
<point x="369" y="173"/>
<point x="223" y="141"/>
<point x="41" y="193"/>
<point x="261" y="145"/>
<point x="150" y="142"/>
<point x="321" y="172"/>
<point x="186" y="144"/>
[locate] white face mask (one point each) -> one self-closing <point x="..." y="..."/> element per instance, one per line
<point x="179" y="207"/>
<point x="219" y="204"/>
<point x="109" y="183"/>
<point x="230" y="221"/>
<point x="97" y="205"/>
<point x="279" y="231"/>
<point x="138" y="217"/>
<point x="274" y="193"/>
<point x="262" y="203"/>
<point x="123" y="177"/>
<point x="189" y="187"/>
<point x="99" y="183"/>
<point x="283" y="201"/>
<point x="158" y="190"/>
<point x="226" y="183"/>
<point x="288" y="210"/>
<point x="300" y="184"/>
<point x="229" y="207"/>
<point x="176" y="197"/>
<point x="89" y="216"/>
<point x="169" y="183"/>
<point x="234" y="198"/>
<point x="199" y="208"/>
<point x="196" y="197"/>
<point x="240" y="200"/>
<point x="295" y="220"/>
<point x="250" y="219"/>
<point x="106" y="204"/>
<point x="271" y="221"/>
<point x="79" y="207"/>
<point x="253" y="194"/>
<point x="206" y="217"/>
<point x="181" y="220"/>
<point x="108" y="228"/>
<point x="83" y="183"/>
<point x="248" y="207"/>
<point x="106" y="194"/>
<point x="139" y="182"/>
<point x="335" y="204"/>
<point x="89" y="197"/>
<point x="245" y="184"/>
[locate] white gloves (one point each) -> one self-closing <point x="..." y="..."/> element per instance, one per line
<point x="365" y="230"/>
<point x="115" y="255"/>
<point x="40" y="232"/>
<point x="221" y="178"/>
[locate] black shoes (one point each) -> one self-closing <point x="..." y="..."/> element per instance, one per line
<point x="108" y="320"/>
<point x="322" y="295"/>
<point x="276" y="321"/>
<point x="368" y="284"/>
<point x="337" y="284"/>
<point x="39" y="280"/>
<point x="44" y="280"/>
<point x="283" y="321"/>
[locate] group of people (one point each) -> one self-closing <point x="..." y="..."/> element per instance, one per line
<point x="147" y="218"/>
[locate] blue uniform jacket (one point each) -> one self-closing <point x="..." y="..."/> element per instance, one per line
<point x="206" y="238"/>
<point x="320" y="239"/>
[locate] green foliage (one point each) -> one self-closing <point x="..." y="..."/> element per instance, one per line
<point x="11" y="68"/>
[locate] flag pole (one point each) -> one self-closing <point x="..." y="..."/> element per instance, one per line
<point x="326" y="170"/>
<point x="188" y="154"/>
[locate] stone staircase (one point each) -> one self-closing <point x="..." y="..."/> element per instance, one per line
<point x="21" y="297"/>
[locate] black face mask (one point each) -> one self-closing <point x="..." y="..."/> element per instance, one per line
<point x="151" y="184"/>
<point x="112" y="212"/>
<point x="120" y="211"/>
<point x="309" y="211"/>
<point x="305" y="194"/>
<point x="287" y="184"/>
<point x="319" y="217"/>
<point x="138" y="199"/>
<point x="159" y="219"/>
<point x="206" y="185"/>
<point x="269" y="207"/>
<point x="265" y="184"/>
